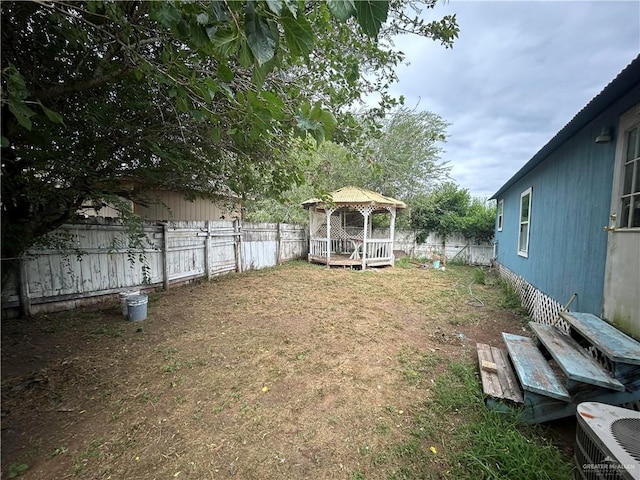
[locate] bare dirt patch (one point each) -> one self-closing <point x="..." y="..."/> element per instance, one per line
<point x="291" y="372"/>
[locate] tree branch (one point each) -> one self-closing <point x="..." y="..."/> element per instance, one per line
<point x="64" y="90"/>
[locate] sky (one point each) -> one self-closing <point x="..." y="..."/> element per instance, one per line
<point x="517" y="74"/>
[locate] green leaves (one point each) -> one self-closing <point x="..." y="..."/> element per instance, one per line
<point x="371" y="14"/>
<point x="55" y="117"/>
<point x="260" y="72"/>
<point x="261" y="41"/>
<point x="298" y="35"/>
<point x="22" y="113"/>
<point x="317" y="121"/>
<point x="275" y="6"/>
<point x="225" y="42"/>
<point x="165" y="13"/>
<point x="342" y="9"/>
<point x="17" y="93"/>
<point x="443" y="211"/>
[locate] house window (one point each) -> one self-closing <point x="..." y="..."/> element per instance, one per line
<point x="500" y="214"/>
<point x="525" y="215"/>
<point x="630" y="199"/>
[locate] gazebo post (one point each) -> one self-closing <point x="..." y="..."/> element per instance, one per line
<point x="342" y="226"/>
<point x="392" y="233"/>
<point x="365" y="213"/>
<point x="329" y="212"/>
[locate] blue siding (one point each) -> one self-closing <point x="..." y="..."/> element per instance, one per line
<point x="570" y="205"/>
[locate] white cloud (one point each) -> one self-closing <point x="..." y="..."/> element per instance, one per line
<point x="516" y="75"/>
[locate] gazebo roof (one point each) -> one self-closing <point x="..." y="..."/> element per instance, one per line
<point x="347" y="196"/>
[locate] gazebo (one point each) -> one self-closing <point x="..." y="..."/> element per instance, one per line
<point x="340" y="230"/>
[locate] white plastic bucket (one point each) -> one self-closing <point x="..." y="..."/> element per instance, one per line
<point x="123" y="300"/>
<point x="436" y="264"/>
<point x="137" y="307"/>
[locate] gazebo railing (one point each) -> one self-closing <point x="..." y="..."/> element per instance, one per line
<point x="379" y="248"/>
<point x="318" y="246"/>
<point x="376" y="248"/>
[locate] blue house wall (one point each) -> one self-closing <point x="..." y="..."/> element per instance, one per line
<point x="570" y="205"/>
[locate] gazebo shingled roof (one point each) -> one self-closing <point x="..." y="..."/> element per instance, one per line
<point x="357" y="196"/>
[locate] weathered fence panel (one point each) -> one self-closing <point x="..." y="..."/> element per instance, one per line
<point x="186" y="244"/>
<point x="101" y="261"/>
<point x="456" y="248"/>
<point x="259" y="247"/>
<point x="224" y="242"/>
<point x="291" y="246"/>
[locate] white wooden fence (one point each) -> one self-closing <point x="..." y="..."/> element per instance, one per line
<point x="102" y="263"/>
<point x="457" y="248"/>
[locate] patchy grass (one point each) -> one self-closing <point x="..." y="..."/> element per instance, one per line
<point x="492" y="444"/>
<point x="454" y="436"/>
<point x="296" y="371"/>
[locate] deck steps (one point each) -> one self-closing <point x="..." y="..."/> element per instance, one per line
<point x="575" y="362"/>
<point x="549" y="375"/>
<point x="614" y="344"/>
<point x="533" y="370"/>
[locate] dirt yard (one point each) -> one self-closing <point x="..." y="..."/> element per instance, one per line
<point x="294" y="372"/>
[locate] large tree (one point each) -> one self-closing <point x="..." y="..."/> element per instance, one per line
<point x="401" y="160"/>
<point x="204" y="96"/>
<point x="407" y="154"/>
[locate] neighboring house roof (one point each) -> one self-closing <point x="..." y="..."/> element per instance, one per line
<point x="357" y="196"/>
<point x="625" y="81"/>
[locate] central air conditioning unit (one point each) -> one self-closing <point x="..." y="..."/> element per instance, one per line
<point x="607" y="442"/>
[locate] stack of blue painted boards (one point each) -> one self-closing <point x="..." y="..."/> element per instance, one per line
<point x="546" y="376"/>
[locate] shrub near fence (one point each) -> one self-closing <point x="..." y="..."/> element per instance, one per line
<point x="99" y="263"/>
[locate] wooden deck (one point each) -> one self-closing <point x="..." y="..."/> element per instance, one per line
<point x="341" y="260"/>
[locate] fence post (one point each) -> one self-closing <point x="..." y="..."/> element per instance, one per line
<point x="207" y="251"/>
<point x="279" y="244"/>
<point x="237" y="241"/>
<point x="165" y="257"/>
<point x="25" y="302"/>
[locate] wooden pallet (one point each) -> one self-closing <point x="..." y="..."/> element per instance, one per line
<point x="498" y="379"/>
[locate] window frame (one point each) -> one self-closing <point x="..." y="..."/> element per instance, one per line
<point x="631" y="198"/>
<point x="500" y="214"/>
<point x="525" y="252"/>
